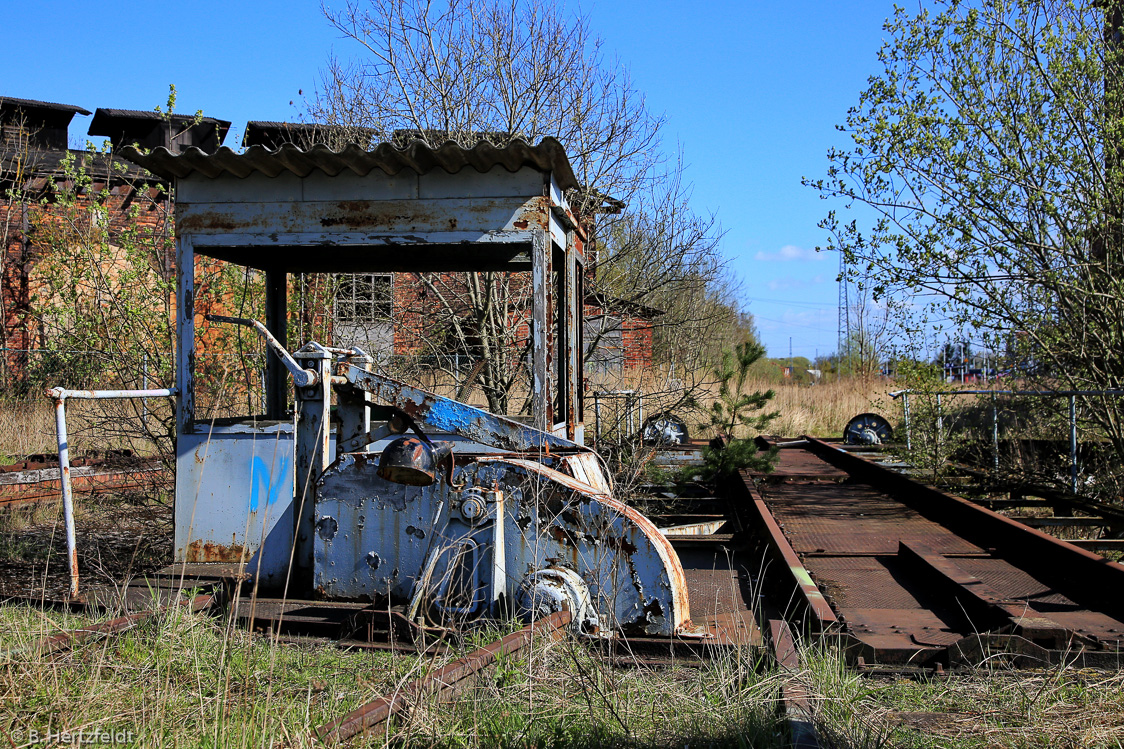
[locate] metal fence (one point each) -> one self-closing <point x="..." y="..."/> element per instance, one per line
<point x="1071" y="397"/>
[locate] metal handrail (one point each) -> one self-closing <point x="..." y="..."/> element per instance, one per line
<point x="60" y="396"/>
<point x="1070" y="394"/>
<point x="301" y="377"/>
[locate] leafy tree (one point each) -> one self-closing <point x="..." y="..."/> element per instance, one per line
<point x="985" y="166"/>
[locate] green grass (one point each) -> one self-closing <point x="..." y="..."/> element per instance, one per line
<point x="187" y="680"/>
<point x="190" y="680"/>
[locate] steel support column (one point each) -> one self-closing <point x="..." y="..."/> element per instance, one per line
<point x="276" y="320"/>
<point x="313" y="455"/>
<point x="542" y="408"/>
<point x="185" y="333"/>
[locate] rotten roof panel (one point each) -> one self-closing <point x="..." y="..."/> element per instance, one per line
<point x="152" y="129"/>
<point x="49" y="163"/>
<point x="12" y="102"/>
<point x="36" y="124"/>
<point x="547" y="156"/>
<point x="304" y="134"/>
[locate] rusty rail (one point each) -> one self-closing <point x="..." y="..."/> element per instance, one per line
<point x="442" y="683"/>
<point x="795" y="701"/>
<point x="64" y="640"/>
<point x="924" y="579"/>
<point x="1091" y="574"/>
<point x="821" y="617"/>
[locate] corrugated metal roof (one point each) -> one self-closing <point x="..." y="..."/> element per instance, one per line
<point x="548" y="155"/>
<point x="13" y="102"/>
<point x="151" y="114"/>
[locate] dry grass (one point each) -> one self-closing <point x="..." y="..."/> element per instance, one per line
<point x="1060" y="708"/>
<point x="27" y="427"/>
<point x="820" y="410"/>
<point x="193" y="680"/>
<point x="186" y="679"/>
<point x="823" y="410"/>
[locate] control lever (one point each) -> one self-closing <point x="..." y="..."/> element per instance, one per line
<point x="302" y="378"/>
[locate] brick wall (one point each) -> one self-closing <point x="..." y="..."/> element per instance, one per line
<point x="26" y="228"/>
<point x="636" y="336"/>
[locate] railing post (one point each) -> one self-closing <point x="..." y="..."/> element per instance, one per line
<point x="1073" y="443"/>
<point x="908" y="431"/>
<point x="144" y="386"/>
<point x="596" y="418"/>
<point x="994" y="432"/>
<point x="940" y="423"/>
<point x="67" y="495"/>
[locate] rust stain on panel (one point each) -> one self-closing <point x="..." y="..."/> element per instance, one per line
<point x="208" y="551"/>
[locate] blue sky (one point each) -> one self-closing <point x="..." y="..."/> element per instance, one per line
<point x="751" y="90"/>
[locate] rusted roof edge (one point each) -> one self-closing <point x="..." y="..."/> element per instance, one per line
<point x="548" y="155"/>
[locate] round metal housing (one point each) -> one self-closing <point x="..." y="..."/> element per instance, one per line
<point x="664" y="429"/>
<point x="552" y="589"/>
<point x="867" y="429"/>
<point x="412" y="461"/>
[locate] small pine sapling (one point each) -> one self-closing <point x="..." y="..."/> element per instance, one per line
<point x="735" y="418"/>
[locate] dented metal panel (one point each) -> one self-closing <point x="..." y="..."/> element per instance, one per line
<point x="234" y="497"/>
<point x="379" y="539"/>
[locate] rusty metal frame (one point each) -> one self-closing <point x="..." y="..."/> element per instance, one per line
<point x="443" y="683"/>
<point x="1091" y="574"/>
<point x="960" y="583"/>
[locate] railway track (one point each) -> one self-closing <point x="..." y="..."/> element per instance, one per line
<point x="909" y="576"/>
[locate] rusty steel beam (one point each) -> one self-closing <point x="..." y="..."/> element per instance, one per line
<point x="442" y="683"/>
<point x="778" y="546"/>
<point x="1098" y="544"/>
<point x="1060" y="522"/>
<point x="795" y="701"/>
